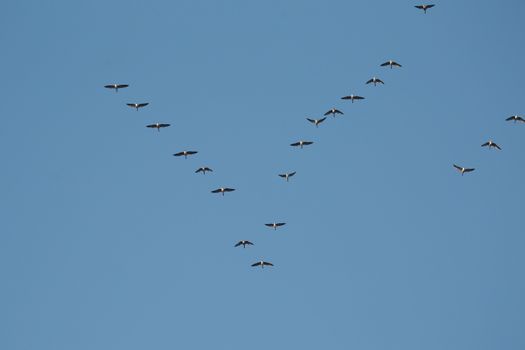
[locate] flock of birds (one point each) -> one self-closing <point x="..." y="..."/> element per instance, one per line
<point x="333" y="112"/>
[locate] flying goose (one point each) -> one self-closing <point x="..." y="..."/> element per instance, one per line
<point x="203" y="170"/>
<point x="243" y="243"/>
<point x="158" y="126"/>
<point x="463" y="170"/>
<point x="516" y="118"/>
<point x="316" y="121"/>
<point x="262" y="264"/>
<point x="491" y="144"/>
<point x="223" y="189"/>
<point x="137" y="105"/>
<point x="301" y="143"/>
<point x="287" y="175"/>
<point x="274" y="225"/>
<point x="352" y="97"/>
<point x="116" y="86"/>
<point x="375" y="81"/>
<point x="391" y="64"/>
<point x="185" y="154"/>
<point x="333" y="112"/>
<point x="424" y="7"/>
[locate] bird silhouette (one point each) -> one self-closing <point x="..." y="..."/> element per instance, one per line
<point x="157" y="126"/>
<point x="352" y="98"/>
<point x="424" y="7"/>
<point x="116" y="86"/>
<point x="223" y="189"/>
<point x="515" y="118"/>
<point x="243" y="243"/>
<point x="185" y="154"/>
<point x="137" y="105"/>
<point x="262" y="264"/>
<point x="287" y="175"/>
<point x="316" y="121"/>
<point x="203" y="170"/>
<point x="491" y="144"/>
<point x="391" y="64"/>
<point x="463" y="170"/>
<point x="333" y="112"/>
<point x="375" y="81"/>
<point x="274" y="225"/>
<point x="301" y="143"/>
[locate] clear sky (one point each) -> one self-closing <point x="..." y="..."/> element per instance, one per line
<point x="107" y="241"/>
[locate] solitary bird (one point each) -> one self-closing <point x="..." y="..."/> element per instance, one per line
<point x="287" y="175"/>
<point x="301" y="143"/>
<point x="491" y="144"/>
<point x="424" y="7"/>
<point x="185" y="154"/>
<point x="262" y="264"/>
<point x="375" y="81"/>
<point x="223" y="189"/>
<point x="316" y="121"/>
<point x="391" y="64"/>
<point x="333" y="112"/>
<point x="516" y="118"/>
<point x="352" y="98"/>
<point x="243" y="243"/>
<point x="137" y="105"/>
<point x="116" y="86"/>
<point x="203" y="170"/>
<point x="463" y="170"/>
<point x="158" y="126"/>
<point x="274" y="225"/>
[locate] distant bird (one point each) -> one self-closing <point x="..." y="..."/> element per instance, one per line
<point x="274" y="225"/>
<point x="203" y="170"/>
<point x="316" y="121"/>
<point x="491" y="144"/>
<point x="391" y="64"/>
<point x="262" y="264"/>
<point x="158" y="126"/>
<point x="223" y="189"/>
<point x="116" y="86"/>
<point x="301" y="143"/>
<point x="352" y="97"/>
<point x="375" y="81"/>
<point x="463" y="170"/>
<point x="185" y="154"/>
<point x="137" y="105"/>
<point x="516" y="118"/>
<point x="243" y="243"/>
<point x="424" y="7"/>
<point x="333" y="112"/>
<point x="287" y="175"/>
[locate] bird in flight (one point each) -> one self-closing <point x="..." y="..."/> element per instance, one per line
<point x="223" y="189"/>
<point x="491" y="144"/>
<point x="316" y="121"/>
<point x="333" y="112"/>
<point x="375" y="81"/>
<point x="463" y="170"/>
<point x="116" y="86"/>
<point x="185" y="154"/>
<point x="516" y="118"/>
<point x="287" y="175"/>
<point x="157" y="126"/>
<point x="301" y="143"/>
<point x="203" y="170"/>
<point x="137" y="105"/>
<point x="352" y="98"/>
<point x="262" y="264"/>
<point x="424" y="7"/>
<point x="274" y="225"/>
<point x="391" y="64"/>
<point x="243" y="243"/>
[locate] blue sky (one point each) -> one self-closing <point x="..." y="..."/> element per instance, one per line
<point x="109" y="242"/>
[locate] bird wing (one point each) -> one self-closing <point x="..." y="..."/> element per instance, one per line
<point x="207" y="169"/>
<point x="229" y="189"/>
<point x="511" y="118"/>
<point x="430" y="6"/>
<point x="295" y="144"/>
<point x="310" y="120"/>
<point x="191" y="152"/>
<point x="328" y="113"/>
<point x="336" y="111"/>
<point x="358" y="98"/>
<point x="256" y="264"/>
<point x="121" y="86"/>
<point x="419" y="7"/>
<point x="267" y="263"/>
<point x="151" y="126"/>
<point x="346" y="97"/>
<point x="269" y="225"/>
<point x="110" y="86"/>
<point x="385" y="64"/>
<point x="321" y="120"/>
<point x="457" y="167"/>
<point x="370" y="81"/>
<point x="485" y="144"/>
<point x="396" y="64"/>
<point x="307" y="143"/>
<point x="282" y="175"/>
<point x="380" y="81"/>
<point x="248" y="242"/>
<point x="468" y="170"/>
<point x="132" y="104"/>
<point x="280" y="224"/>
<point x="495" y="145"/>
<point x="216" y="191"/>
<point x="238" y="244"/>
<point x="143" y="104"/>
<point x="520" y="119"/>
<point x="291" y="174"/>
<point x="199" y="170"/>
<point x="178" y="154"/>
<point x="164" y="125"/>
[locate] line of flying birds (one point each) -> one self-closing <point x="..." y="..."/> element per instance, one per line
<point x="301" y="143"/>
